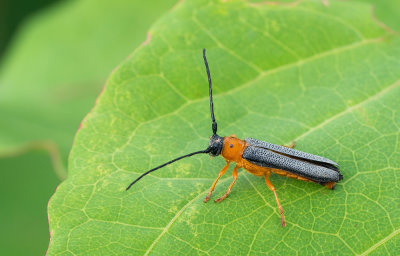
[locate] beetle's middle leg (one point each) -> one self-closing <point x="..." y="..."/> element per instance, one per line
<point x="271" y="187"/>
<point x="222" y="172"/>
<point x="235" y="176"/>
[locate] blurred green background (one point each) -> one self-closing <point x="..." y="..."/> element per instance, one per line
<point x="13" y="13"/>
<point x="55" y="56"/>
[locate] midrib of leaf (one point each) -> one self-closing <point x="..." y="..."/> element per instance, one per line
<point x="312" y="129"/>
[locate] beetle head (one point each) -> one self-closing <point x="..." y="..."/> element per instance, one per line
<point x="215" y="145"/>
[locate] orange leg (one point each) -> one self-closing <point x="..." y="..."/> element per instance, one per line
<point x="235" y="176"/>
<point x="291" y="145"/>
<point x="331" y="185"/>
<point x="222" y="172"/>
<point x="271" y="187"/>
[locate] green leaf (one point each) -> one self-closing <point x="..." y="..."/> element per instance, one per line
<point x="386" y="11"/>
<point x="324" y="76"/>
<point x="28" y="181"/>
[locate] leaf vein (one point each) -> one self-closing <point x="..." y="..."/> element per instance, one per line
<point x="381" y="242"/>
<point x="349" y="109"/>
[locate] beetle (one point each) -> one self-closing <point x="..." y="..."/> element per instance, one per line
<point x="261" y="158"/>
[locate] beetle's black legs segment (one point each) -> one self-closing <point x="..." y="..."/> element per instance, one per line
<point x="271" y="187"/>
<point x="222" y="172"/>
<point x="235" y="176"/>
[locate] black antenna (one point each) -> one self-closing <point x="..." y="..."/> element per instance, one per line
<point x="214" y="124"/>
<point x="167" y="163"/>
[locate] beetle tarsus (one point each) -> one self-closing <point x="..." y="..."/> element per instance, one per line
<point x="283" y="223"/>
<point x="207" y="197"/>
<point x="222" y="172"/>
<point x="220" y="199"/>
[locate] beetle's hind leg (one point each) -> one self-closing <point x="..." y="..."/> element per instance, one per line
<point x="235" y="176"/>
<point x="222" y="172"/>
<point x="271" y="187"/>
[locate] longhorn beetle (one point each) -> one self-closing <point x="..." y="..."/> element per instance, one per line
<point x="261" y="158"/>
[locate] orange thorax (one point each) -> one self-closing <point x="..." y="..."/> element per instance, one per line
<point x="233" y="148"/>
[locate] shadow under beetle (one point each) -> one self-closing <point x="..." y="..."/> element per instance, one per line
<point x="261" y="158"/>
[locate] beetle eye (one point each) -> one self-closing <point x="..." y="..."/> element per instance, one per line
<point x="231" y="145"/>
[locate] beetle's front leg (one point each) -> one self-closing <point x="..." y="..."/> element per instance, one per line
<point x="235" y="176"/>
<point x="222" y="172"/>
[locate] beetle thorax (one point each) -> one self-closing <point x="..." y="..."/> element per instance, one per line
<point x="233" y="148"/>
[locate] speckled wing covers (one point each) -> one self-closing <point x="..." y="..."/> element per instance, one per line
<point x="315" y="168"/>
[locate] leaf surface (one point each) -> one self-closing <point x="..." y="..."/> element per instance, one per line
<point x="324" y="76"/>
<point x="386" y="11"/>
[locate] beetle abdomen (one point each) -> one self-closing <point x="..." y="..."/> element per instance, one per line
<point x="300" y="167"/>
